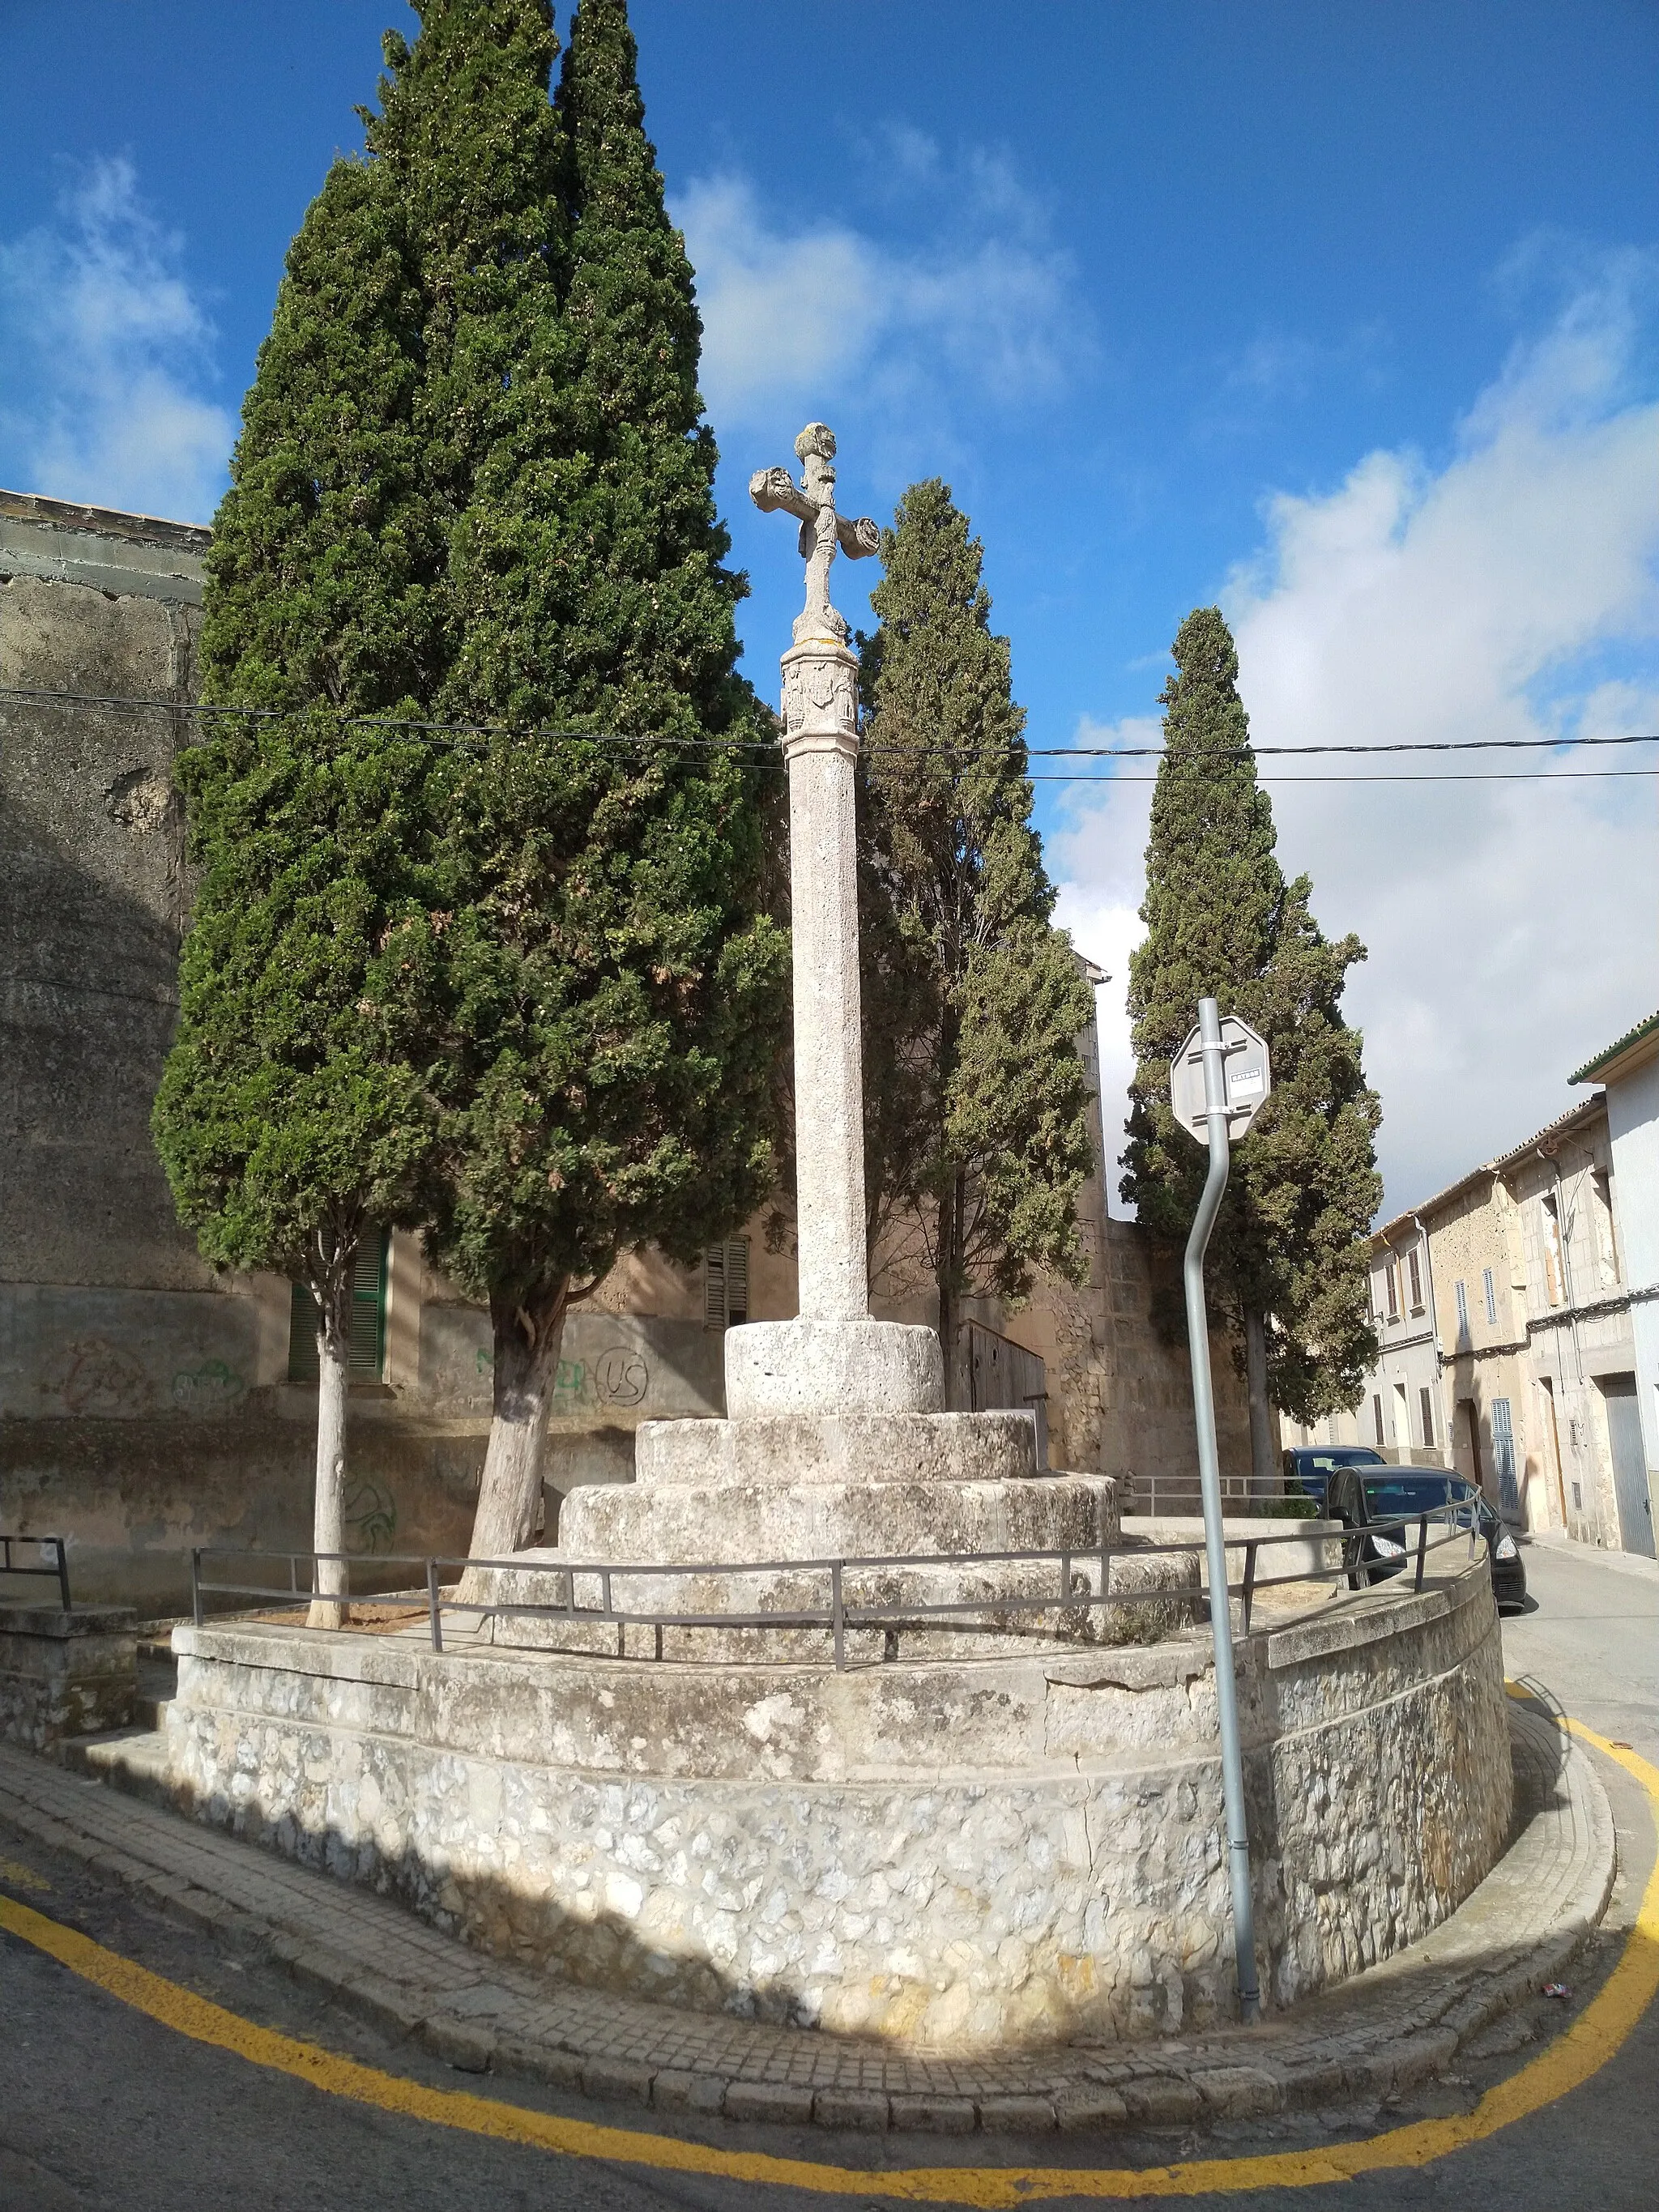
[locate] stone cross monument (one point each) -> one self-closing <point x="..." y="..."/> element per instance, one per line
<point x="821" y="744"/>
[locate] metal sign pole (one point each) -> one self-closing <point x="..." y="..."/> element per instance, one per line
<point x="1213" y="1051"/>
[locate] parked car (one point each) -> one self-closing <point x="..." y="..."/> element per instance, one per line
<point x="1308" y="1467"/>
<point x="1366" y="1499"/>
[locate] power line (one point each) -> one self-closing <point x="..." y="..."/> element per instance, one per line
<point x="765" y="749"/>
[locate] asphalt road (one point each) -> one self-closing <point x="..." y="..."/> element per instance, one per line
<point x="105" y="2110"/>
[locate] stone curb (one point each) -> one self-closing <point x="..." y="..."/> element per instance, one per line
<point x="1374" y="2038"/>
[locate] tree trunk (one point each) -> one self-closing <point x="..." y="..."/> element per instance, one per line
<point x="528" y="1336"/>
<point x="328" y="1505"/>
<point x="1264" y="1474"/>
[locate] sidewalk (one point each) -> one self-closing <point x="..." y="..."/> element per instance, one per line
<point x="1622" y="1563"/>
<point x="1396" y="2026"/>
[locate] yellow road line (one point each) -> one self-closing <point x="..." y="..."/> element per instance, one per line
<point x="1569" y="2061"/>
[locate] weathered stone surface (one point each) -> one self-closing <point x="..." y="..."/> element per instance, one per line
<point x="997" y="1852"/>
<point x="796" y="1449"/>
<point x="807" y="1366"/>
<point x="65" y="1673"/>
<point x="763" y="1521"/>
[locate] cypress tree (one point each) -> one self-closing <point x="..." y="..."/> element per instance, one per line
<point x="1288" y="1265"/>
<point x="610" y="1000"/>
<point x="976" y="1113"/>
<point x="291" y="1113"/>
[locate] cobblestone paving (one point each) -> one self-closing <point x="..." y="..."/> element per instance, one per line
<point x="1381" y="2034"/>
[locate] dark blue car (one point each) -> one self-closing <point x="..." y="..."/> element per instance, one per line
<point x="1307" y="1467"/>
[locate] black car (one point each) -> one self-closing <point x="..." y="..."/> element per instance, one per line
<point x="1308" y="1466"/>
<point x="1362" y="1498"/>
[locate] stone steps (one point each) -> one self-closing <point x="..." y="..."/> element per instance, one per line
<point x="132" y="1760"/>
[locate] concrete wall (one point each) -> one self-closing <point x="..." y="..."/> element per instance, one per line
<point x="999" y="1851"/>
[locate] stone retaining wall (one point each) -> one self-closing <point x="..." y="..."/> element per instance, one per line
<point x="64" y="1673"/>
<point x="997" y="1851"/>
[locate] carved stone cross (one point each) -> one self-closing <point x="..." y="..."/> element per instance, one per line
<point x="821" y="744"/>
<point x="813" y="501"/>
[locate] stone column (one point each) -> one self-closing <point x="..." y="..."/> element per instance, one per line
<point x="820" y="703"/>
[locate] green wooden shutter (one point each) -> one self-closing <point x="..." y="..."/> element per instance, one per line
<point x="366" y="1362"/>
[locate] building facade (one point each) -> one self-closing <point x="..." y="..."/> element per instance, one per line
<point x="1506" y="1314"/>
<point x="1628" y="1072"/>
<point x="147" y="1404"/>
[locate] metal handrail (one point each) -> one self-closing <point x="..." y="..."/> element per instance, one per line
<point x="58" y="1571"/>
<point x="838" y="1616"/>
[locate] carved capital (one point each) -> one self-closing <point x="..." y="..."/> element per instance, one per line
<point x="820" y="692"/>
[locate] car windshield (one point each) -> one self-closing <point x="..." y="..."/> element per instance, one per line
<point x="1326" y="1463"/>
<point x="1403" y="1494"/>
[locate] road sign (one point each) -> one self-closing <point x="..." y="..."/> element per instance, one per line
<point x="1249" y="1074"/>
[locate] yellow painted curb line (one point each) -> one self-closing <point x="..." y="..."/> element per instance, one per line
<point x="1575" y="2055"/>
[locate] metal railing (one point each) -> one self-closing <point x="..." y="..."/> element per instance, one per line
<point x="1178" y="1496"/>
<point x="1072" y="1591"/>
<point x="59" y="1570"/>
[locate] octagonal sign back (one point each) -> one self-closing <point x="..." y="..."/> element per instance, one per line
<point x="1249" y="1076"/>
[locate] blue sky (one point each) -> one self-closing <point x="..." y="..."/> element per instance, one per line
<point x="1344" y="314"/>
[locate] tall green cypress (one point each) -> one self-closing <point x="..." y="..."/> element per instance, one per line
<point x="976" y="1113"/>
<point x="611" y="999"/>
<point x="294" y="1111"/>
<point x="1288" y="1263"/>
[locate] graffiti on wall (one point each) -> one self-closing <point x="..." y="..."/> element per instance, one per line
<point x="621" y="1377"/>
<point x="212" y="1387"/>
<point x="95" y="1378"/>
<point x="370" y="1512"/>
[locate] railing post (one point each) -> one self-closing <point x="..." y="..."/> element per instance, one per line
<point x="1066" y="1577"/>
<point x="196" y="1586"/>
<point x="1422" y="1548"/>
<point x="1249" y="1582"/>
<point x="837" y="1614"/>
<point x="434" y="1605"/>
<point x="62" y="1572"/>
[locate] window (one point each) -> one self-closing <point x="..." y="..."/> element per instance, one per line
<point x="1392" y="1273"/>
<point x="725" y="1284"/>
<point x="1463" y="1298"/>
<point x="367" y="1360"/>
<point x="1416" y="1275"/>
<point x="1425" y="1404"/>
<point x="1376" y="1416"/>
<point x="1490" y="1290"/>
<point x="1502" y="1452"/>
<point x="1554" y="1275"/>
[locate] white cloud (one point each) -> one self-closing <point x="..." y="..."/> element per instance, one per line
<point x="794" y="314"/>
<point x="1511" y="592"/>
<point x="106" y="352"/>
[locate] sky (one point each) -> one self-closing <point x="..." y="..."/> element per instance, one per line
<point x="1345" y="318"/>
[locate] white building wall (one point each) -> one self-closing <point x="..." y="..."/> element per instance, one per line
<point x="1633" y="1127"/>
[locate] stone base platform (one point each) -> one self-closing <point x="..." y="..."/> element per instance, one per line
<point x="778" y="1519"/>
<point x="844" y="1447"/>
<point x="989" y="1853"/>
<point x="1377" y="2036"/>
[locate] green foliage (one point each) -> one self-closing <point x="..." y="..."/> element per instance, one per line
<point x="473" y="484"/>
<point x="290" y="1112"/>
<point x="611" y="1002"/>
<point x="976" y="1102"/>
<point x="1222" y="921"/>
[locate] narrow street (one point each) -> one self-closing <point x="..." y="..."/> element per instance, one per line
<point x="105" y="2110"/>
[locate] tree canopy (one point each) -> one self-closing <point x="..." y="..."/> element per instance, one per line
<point x="976" y="1101"/>
<point x="1222" y="921"/>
